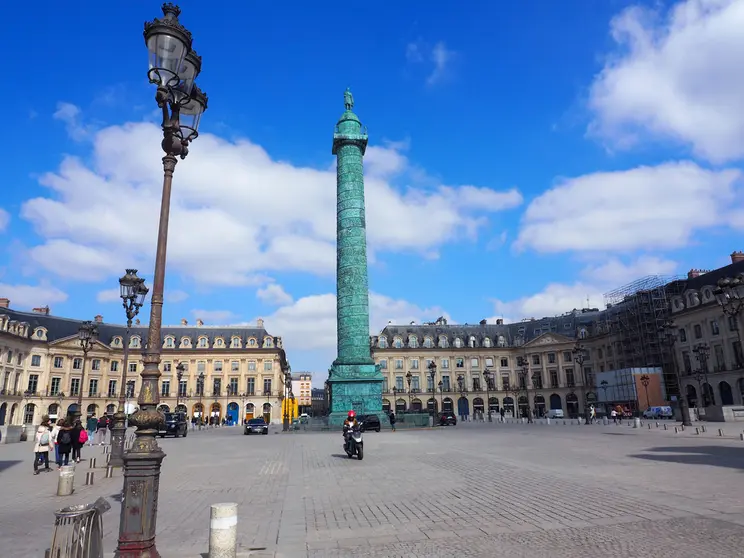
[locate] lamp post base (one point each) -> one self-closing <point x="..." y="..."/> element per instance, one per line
<point x="139" y="504"/>
<point x="685" y="410"/>
<point x="118" y="436"/>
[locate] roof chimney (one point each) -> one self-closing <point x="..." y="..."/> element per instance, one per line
<point x="98" y="319"/>
<point x="137" y="322"/>
<point x="199" y="323"/>
<point x="259" y="323"/>
<point x="693" y="273"/>
<point x="4" y="303"/>
<point x="736" y="257"/>
<point x="184" y="321"/>
<point x="43" y="310"/>
<point x="499" y="321"/>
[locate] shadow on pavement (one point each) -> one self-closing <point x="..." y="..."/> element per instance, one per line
<point x="615" y="433"/>
<point x="8" y="464"/>
<point x="718" y="456"/>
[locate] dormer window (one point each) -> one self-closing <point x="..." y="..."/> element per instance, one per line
<point x="135" y="341"/>
<point x="458" y="343"/>
<point x="170" y="342"/>
<point x="413" y="341"/>
<point x="502" y="341"/>
<point x="443" y="342"/>
<point x="582" y="333"/>
<point x="268" y="342"/>
<point x="382" y="342"/>
<point x="472" y="341"/>
<point x="185" y="342"/>
<point x="116" y="342"/>
<point x="486" y="342"/>
<point x="219" y="343"/>
<point x="398" y="343"/>
<point x="203" y="342"/>
<point x="428" y="342"/>
<point x="235" y="343"/>
<point x="252" y="342"/>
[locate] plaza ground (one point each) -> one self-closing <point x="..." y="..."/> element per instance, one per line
<point x="471" y="490"/>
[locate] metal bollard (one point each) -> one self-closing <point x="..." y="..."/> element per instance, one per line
<point x="704" y="428"/>
<point x="741" y="436"/>
<point x="682" y="427"/>
<point x="89" y="477"/>
<point x="675" y="429"/>
<point x="665" y="427"/>
<point x="649" y="427"/>
<point x="657" y="425"/>
<point x="697" y="431"/>
<point x="66" y="480"/>
<point x="109" y="472"/>
<point x="92" y="463"/>
<point x="720" y="432"/>
<point x="223" y="530"/>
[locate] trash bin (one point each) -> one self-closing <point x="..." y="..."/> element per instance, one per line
<point x="78" y="531"/>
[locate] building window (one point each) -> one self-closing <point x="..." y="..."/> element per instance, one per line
<point x="182" y="385"/>
<point x="9" y="359"/>
<point x="112" y="388"/>
<point x="114" y="366"/>
<point x="74" y="386"/>
<point x="35" y="360"/>
<point x="554" y="378"/>
<point x="235" y="343"/>
<point x="537" y="382"/>
<point x="217" y="387"/>
<point x="130" y="389"/>
<point x="504" y="363"/>
<point x="720" y="359"/>
<point x="444" y="363"/>
<point x="54" y="390"/>
<point x="96" y="364"/>
<point x="446" y="383"/>
<point x="134" y="342"/>
<point x="385" y="385"/>
<point x="428" y="343"/>
<point x="251" y="365"/>
<point x="167" y="367"/>
<point x="77" y="363"/>
<point x="57" y="360"/>
<point x="698" y="331"/>
<point x="489" y="362"/>
<point x="267" y="386"/>
<point x="33" y="383"/>
<point x="218" y="366"/>
<point x="268" y="365"/>
<point x="505" y="383"/>
<point x="551" y="358"/>
<point x="251" y="386"/>
<point x="738" y="355"/>
<point x="398" y="343"/>
<point x="202" y="342"/>
<point x="169" y="342"/>
<point x="252" y="342"/>
<point x="201" y="367"/>
<point x="714" y="330"/>
<point x="93" y="388"/>
<point x="567" y="357"/>
<point x="609" y="351"/>
<point x="399" y="383"/>
<point x="732" y="323"/>
<point x="413" y="342"/>
<point x="382" y="342"/>
<point x="235" y="366"/>
<point x="460" y="363"/>
<point x="132" y="367"/>
<point x="415" y="385"/>
<point x="474" y="363"/>
<point x="414" y="363"/>
<point x="383" y="364"/>
<point x="687" y="363"/>
<point x="233" y="386"/>
<point x="165" y="388"/>
<point x="599" y="353"/>
<point x="458" y="343"/>
<point x="570" y="380"/>
<point x="682" y="335"/>
<point x="535" y="359"/>
<point x="399" y="364"/>
<point x="476" y="383"/>
<point x="443" y="343"/>
<point x="218" y="343"/>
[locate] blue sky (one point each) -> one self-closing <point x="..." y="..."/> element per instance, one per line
<point x="524" y="157"/>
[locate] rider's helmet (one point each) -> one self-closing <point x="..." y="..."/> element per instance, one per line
<point x="352" y="415"/>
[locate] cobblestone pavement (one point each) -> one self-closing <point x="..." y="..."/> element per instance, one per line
<point x="471" y="490"/>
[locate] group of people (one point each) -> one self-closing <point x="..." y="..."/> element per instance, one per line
<point x="65" y="438"/>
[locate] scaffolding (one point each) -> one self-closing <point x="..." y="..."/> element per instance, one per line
<point x="635" y="316"/>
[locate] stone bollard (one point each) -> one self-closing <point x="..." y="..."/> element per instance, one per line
<point x="547" y="421"/>
<point x="109" y="472"/>
<point x="675" y="429"/>
<point x="606" y="421"/>
<point x="665" y="427"/>
<point x="92" y="463"/>
<point x="66" y="481"/>
<point x="636" y="422"/>
<point x="697" y="431"/>
<point x="223" y="530"/>
<point x="649" y="427"/>
<point x="657" y="425"/>
<point x="720" y="432"/>
<point x="89" y="477"/>
<point x="741" y="436"/>
<point x="704" y="428"/>
<point x="682" y="427"/>
<point x="564" y="423"/>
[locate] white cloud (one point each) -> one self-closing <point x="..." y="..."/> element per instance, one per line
<point x="309" y="323"/>
<point x="675" y="75"/>
<point x="31" y="296"/>
<point x="214" y="317"/>
<point x="438" y="56"/>
<point x="641" y="208"/>
<point x="594" y="281"/>
<point x="274" y="294"/>
<point x="4" y="219"/>
<point x="234" y="210"/>
<point x="109" y="295"/>
<point x="71" y="116"/>
<point x="175" y="296"/>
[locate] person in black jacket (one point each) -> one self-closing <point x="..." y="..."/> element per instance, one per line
<point x="392" y="420"/>
<point x="76" y="443"/>
<point x="64" y="442"/>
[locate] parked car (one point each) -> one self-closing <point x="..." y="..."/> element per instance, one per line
<point x="447" y="419"/>
<point x="369" y="422"/>
<point x="256" y="426"/>
<point x="555" y="414"/>
<point x="175" y="425"/>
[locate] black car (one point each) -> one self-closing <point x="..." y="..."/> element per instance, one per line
<point x="256" y="426"/>
<point x="447" y="419"/>
<point x="175" y="425"/>
<point x="369" y="422"/>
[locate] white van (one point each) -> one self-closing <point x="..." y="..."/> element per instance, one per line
<point x="555" y="413"/>
<point x="663" y="412"/>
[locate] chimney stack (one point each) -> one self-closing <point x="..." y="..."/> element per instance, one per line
<point x="137" y="322"/>
<point x="43" y="310"/>
<point x="199" y="323"/>
<point x="4" y="303"/>
<point x="98" y="319"/>
<point x="736" y="257"/>
<point x="184" y="322"/>
<point x="499" y="321"/>
<point x="260" y="323"/>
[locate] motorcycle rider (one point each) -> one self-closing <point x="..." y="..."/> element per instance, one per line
<point x="349" y="425"/>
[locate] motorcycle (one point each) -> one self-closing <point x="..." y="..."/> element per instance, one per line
<point x="354" y="443"/>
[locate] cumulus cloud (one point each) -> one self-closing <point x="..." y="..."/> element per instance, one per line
<point x="109" y="295"/>
<point x="675" y="74"/>
<point x="642" y="208"/>
<point x="593" y="282"/>
<point x="25" y="297"/>
<point x="274" y="294"/>
<point x="214" y="317"/>
<point x="71" y="116"/>
<point x="259" y="217"/>
<point x="437" y="56"/>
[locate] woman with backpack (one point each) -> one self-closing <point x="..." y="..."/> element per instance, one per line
<point x="64" y="443"/>
<point x="43" y="442"/>
<point x="79" y="437"/>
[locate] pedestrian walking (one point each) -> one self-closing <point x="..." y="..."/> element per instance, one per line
<point x="42" y="445"/>
<point x="55" y="434"/>
<point x="101" y="429"/>
<point x="392" y="420"/>
<point x="613" y="414"/>
<point x="64" y="443"/>
<point x="91" y="426"/>
<point x="79" y="437"/>
<point x="503" y="412"/>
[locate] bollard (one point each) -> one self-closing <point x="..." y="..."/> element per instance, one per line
<point x="657" y="425"/>
<point x="636" y="423"/>
<point x="89" y="478"/>
<point x="682" y="427"/>
<point x="66" y="481"/>
<point x="109" y="472"/>
<point x="223" y="530"/>
<point x="649" y="427"/>
<point x="704" y="428"/>
<point x="108" y="459"/>
<point x="92" y="463"/>
<point x="741" y="436"/>
<point x="665" y="427"/>
<point x="720" y="432"/>
<point x="697" y="431"/>
<point x="564" y="423"/>
<point x="547" y="420"/>
<point x="675" y="429"/>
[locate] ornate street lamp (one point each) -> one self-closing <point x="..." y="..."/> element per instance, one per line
<point x="180" y="369"/>
<point x="133" y="293"/>
<point x="668" y="333"/>
<point x="173" y="67"/>
<point x="488" y="377"/>
<point x="579" y="356"/>
<point x="604" y="384"/>
<point x="409" y="378"/>
<point x="87" y="334"/>
<point x="287" y="380"/>
<point x="441" y="396"/>
<point x="702" y="351"/>
<point x="433" y="375"/>
<point x="730" y="297"/>
<point x="645" y="380"/>
<point x="524" y="374"/>
<point x="395" y="399"/>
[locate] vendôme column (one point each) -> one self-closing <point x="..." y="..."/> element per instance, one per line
<point x="355" y="380"/>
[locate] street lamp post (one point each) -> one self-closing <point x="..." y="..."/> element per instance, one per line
<point x="605" y="385"/>
<point x="645" y="380"/>
<point x="730" y="297"/>
<point x="133" y="293"/>
<point x="433" y="375"/>
<point x="87" y="334"/>
<point x="461" y="387"/>
<point x="395" y="399"/>
<point x="702" y="351"/>
<point x="180" y="369"/>
<point x="287" y="380"/>
<point x="173" y="67"/>
<point x="579" y="357"/>
<point x="668" y="333"/>
<point x="409" y="377"/>
<point x="441" y="396"/>
<point x="524" y="374"/>
<point x="200" y="389"/>
<point x="488" y="377"/>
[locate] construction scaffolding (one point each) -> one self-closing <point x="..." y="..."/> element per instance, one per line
<point x="635" y="315"/>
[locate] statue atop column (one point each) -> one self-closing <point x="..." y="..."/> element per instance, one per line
<point x="348" y="99"/>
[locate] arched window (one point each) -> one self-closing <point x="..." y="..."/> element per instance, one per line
<point x="398" y="343"/>
<point x="458" y="343"/>
<point x="219" y="342"/>
<point x="428" y="342"/>
<point x="268" y="342"/>
<point x="170" y="342"/>
<point x="486" y="342"/>
<point x="134" y="341"/>
<point x="252" y="342"/>
<point x="413" y="341"/>
<point x="185" y="342"/>
<point x="382" y="342"/>
<point x="443" y="342"/>
<point x="472" y="342"/>
<point x="202" y="342"/>
<point x="235" y="342"/>
<point x="582" y="333"/>
<point x="502" y="341"/>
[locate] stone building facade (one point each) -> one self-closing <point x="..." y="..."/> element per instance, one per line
<point x="41" y="362"/>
